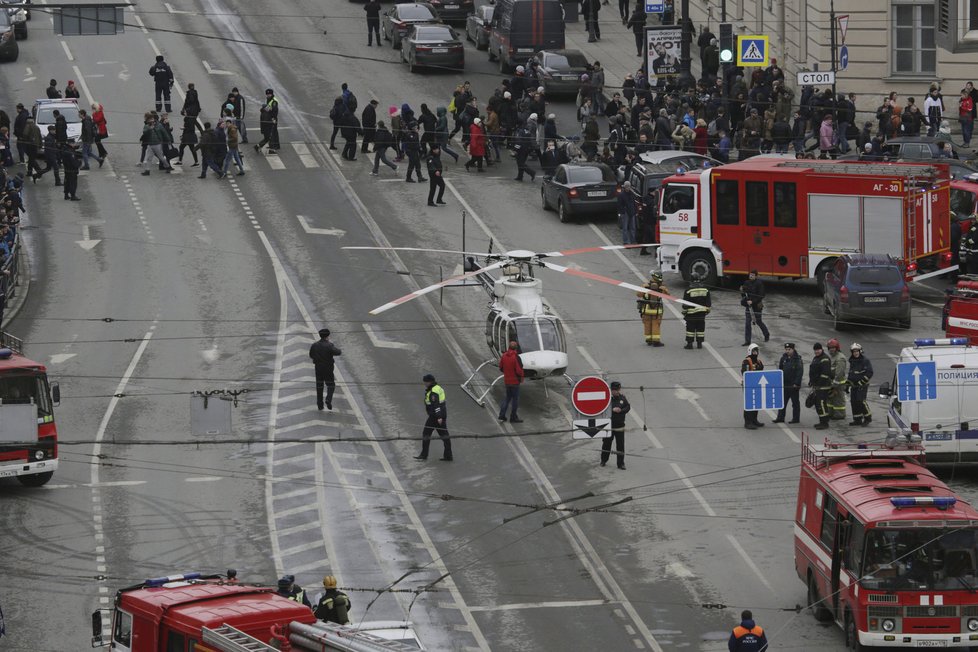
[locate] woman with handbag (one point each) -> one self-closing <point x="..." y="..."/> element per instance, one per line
<point x="101" y="128"/>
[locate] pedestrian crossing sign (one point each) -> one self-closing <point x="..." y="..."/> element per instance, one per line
<point x="752" y="51"/>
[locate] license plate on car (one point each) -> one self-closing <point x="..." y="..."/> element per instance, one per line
<point x="931" y="643"/>
<point x="439" y="50"/>
<point x="451" y="6"/>
<point x="597" y="193"/>
<point x="874" y="299"/>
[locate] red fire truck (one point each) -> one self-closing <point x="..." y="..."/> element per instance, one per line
<point x="793" y="218"/>
<point x="28" y="435"/>
<point x="887" y="550"/>
<point x="197" y="613"/>
<point x="961" y="309"/>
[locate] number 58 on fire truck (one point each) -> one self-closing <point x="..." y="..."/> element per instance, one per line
<point x="792" y="219"/>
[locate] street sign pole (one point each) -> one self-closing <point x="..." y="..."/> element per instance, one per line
<point x="685" y="76"/>
<point x="835" y="99"/>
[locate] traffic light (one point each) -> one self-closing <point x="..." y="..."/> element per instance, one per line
<point x="726" y="43"/>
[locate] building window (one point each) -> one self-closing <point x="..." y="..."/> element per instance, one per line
<point x="972" y="19"/>
<point x="914" y="49"/>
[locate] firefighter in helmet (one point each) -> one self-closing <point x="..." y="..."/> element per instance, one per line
<point x="751" y="363"/>
<point x="820" y="380"/>
<point x="969" y="247"/>
<point x="860" y="371"/>
<point x="650" y="308"/>
<point x="334" y="606"/>
<point x="840" y="364"/>
<point x="695" y="318"/>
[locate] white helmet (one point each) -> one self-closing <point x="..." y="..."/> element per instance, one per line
<point x="856" y="346"/>
<point x="752" y="348"/>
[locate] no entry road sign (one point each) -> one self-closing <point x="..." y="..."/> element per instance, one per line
<point x="591" y="396"/>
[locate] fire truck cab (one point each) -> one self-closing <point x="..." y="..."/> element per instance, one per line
<point x="960" y="316"/>
<point x="888" y="552"/>
<point x="792" y="219"/>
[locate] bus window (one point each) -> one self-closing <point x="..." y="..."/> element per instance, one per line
<point x="829" y="517"/>
<point x="854" y="549"/>
<point x="26" y="389"/>
<point x="755" y="201"/>
<point x="785" y="206"/>
<point x="728" y="203"/>
<point x="122" y="633"/>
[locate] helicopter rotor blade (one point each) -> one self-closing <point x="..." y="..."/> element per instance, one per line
<point x="584" y="250"/>
<point x="433" y="251"/>
<point x="432" y="288"/>
<point x="610" y="281"/>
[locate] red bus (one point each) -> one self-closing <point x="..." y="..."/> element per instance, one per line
<point x="887" y="550"/>
<point x="28" y="434"/>
<point x="793" y="219"/>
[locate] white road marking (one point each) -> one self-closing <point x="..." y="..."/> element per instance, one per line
<point x="928" y="303"/>
<point x="210" y="355"/>
<point x="214" y="71"/>
<point x="692" y="489"/>
<point x="274" y="162"/>
<point x="170" y="8"/>
<point x="679" y="570"/>
<point x="87" y="243"/>
<point x="684" y="394"/>
<point x="203" y="478"/>
<point x="750" y="562"/>
<point x="308" y="228"/>
<point x="116" y="483"/>
<point x="307" y="159"/>
<point x="587" y="358"/>
<point x="152" y="44"/>
<point x="541" y="605"/>
<point x="60" y="358"/>
<point x="68" y="54"/>
<point x="385" y="344"/>
<point x="139" y="21"/>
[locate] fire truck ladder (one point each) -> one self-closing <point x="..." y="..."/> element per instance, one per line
<point x="915" y="172"/>
<point x="229" y="639"/>
<point x="321" y="636"/>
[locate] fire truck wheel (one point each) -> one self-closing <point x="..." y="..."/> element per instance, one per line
<point x="700" y="263"/>
<point x="35" y="479"/>
<point x="852" y="635"/>
<point x="821" y="614"/>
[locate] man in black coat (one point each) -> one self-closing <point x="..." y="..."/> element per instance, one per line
<point x="372" y="7"/>
<point x="350" y="129"/>
<point x="412" y="147"/>
<point x="20" y="125"/>
<point x="238" y="100"/>
<point x="191" y="103"/>
<point x="323" y="353"/>
<point x="70" y="161"/>
<point x="162" y="81"/>
<point x="435" y="180"/>
<point x="52" y="156"/>
<point x="793" y="373"/>
<point x="368" y="121"/>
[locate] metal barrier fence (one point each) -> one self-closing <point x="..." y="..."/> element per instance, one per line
<point x="10" y="276"/>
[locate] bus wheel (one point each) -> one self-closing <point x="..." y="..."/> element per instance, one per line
<point x="35" y="479"/>
<point x="821" y="614"/>
<point x="852" y="634"/>
<point x="700" y="263"/>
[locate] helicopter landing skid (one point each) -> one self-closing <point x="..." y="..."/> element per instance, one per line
<point x="480" y="399"/>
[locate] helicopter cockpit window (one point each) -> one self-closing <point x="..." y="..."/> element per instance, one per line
<point x="526" y="334"/>
<point x="549" y="338"/>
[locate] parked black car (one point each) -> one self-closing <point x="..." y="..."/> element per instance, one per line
<point x="477" y="26"/>
<point x="396" y="20"/>
<point x="453" y="11"/>
<point x="867" y="287"/>
<point x="435" y="46"/>
<point x="580" y="189"/>
<point x="913" y="148"/>
<point x="561" y="70"/>
<point x="9" y="50"/>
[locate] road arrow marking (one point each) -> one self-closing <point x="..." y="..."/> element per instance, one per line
<point x="214" y="71"/>
<point x="684" y="394"/>
<point x="762" y="383"/>
<point x="384" y="344"/>
<point x="210" y="355"/>
<point x="916" y="383"/>
<point x="339" y="233"/>
<point x="58" y="358"/>
<point x="86" y="242"/>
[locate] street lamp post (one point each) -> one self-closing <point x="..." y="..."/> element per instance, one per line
<point x="685" y="76"/>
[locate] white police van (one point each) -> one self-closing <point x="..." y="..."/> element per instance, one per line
<point x="948" y="425"/>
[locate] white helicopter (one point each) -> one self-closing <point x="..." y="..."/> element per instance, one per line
<point x="516" y="308"/>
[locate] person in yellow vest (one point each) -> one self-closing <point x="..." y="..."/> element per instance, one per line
<point x="650" y="308"/>
<point x="434" y="405"/>
<point x="334" y="606"/>
<point x="748" y="636"/>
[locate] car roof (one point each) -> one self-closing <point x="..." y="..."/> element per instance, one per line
<point x="563" y="51"/>
<point x="661" y="156"/>
<point x="600" y="166"/>
<point x="56" y="102"/>
<point x="871" y="260"/>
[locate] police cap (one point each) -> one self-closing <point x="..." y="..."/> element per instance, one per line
<point x="428" y="378"/>
<point x="615" y="385"/>
<point x="323" y="332"/>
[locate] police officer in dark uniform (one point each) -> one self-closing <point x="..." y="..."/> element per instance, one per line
<point x="71" y="160"/>
<point x="288" y="589"/>
<point x="792" y="373"/>
<point x="696" y="317"/>
<point x="163" y="80"/>
<point x="434" y="405"/>
<point x="619" y="408"/>
<point x="435" y="180"/>
<point x="322" y="354"/>
<point x="860" y="372"/>
<point x="748" y="636"/>
<point x="334" y="605"/>
<point x="752" y="299"/>
<point x="268" y="122"/>
<point x="820" y="380"/>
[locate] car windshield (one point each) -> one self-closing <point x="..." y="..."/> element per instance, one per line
<point x="487" y="13"/>
<point x="45" y="115"/>
<point x="414" y="12"/>
<point x="434" y="34"/>
<point x="874" y="276"/>
<point x="923" y="559"/>
<point x="962" y="202"/>
<point x="565" y="61"/>
<point x="590" y="174"/>
<point x="4" y="20"/>
<point x="26" y="388"/>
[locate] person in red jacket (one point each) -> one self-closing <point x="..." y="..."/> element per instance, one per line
<point x="477" y="145"/>
<point x="512" y="368"/>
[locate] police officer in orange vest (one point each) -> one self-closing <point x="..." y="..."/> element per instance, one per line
<point x="747" y="636"/>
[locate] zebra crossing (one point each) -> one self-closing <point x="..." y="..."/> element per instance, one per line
<point x="291" y="156"/>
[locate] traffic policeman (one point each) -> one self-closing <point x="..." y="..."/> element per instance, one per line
<point x="650" y="308"/>
<point x="434" y="404"/>
<point x="748" y="636"/>
<point x="163" y="81"/>
<point x="322" y="353"/>
<point x="820" y="380"/>
<point x="619" y="408"/>
<point x="837" y="400"/>
<point x="751" y="363"/>
<point x="696" y="317"/>
<point x="969" y="247"/>
<point x="860" y="372"/>
<point x="792" y="373"/>
<point x="752" y="299"/>
<point x="288" y="589"/>
<point x="334" y="606"/>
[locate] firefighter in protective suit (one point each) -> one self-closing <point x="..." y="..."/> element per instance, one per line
<point x="334" y="605"/>
<point x="820" y="380"/>
<point x="840" y="364"/>
<point x="969" y="248"/>
<point x="696" y="317"/>
<point x="860" y="371"/>
<point x="650" y="308"/>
